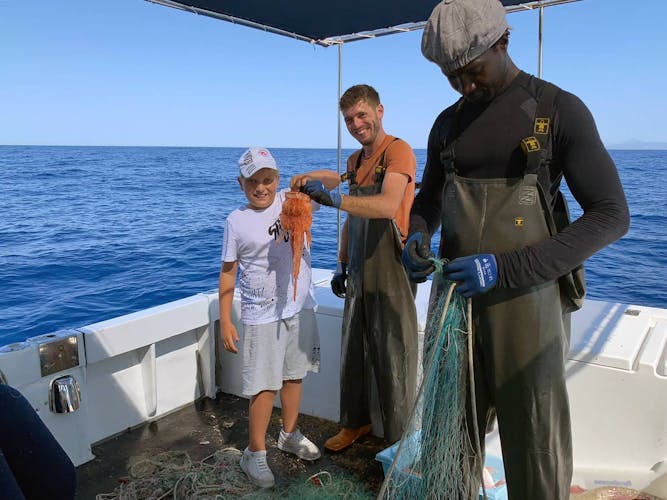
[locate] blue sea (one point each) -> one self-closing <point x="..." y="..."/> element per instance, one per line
<point x="91" y="233"/>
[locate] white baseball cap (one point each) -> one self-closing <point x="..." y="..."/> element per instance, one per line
<point x="254" y="160"/>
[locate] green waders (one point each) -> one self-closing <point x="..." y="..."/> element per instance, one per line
<point x="379" y="334"/>
<point x="520" y="337"/>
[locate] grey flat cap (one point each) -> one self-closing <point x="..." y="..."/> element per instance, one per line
<point x="458" y="31"/>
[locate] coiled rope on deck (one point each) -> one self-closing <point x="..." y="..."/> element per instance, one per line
<point x="172" y="475"/>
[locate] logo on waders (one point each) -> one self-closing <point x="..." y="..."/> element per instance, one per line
<point x="541" y="125"/>
<point x="530" y="144"/>
<point x="527" y="195"/>
<point x="518" y="221"/>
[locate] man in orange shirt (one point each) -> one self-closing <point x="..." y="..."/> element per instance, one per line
<point x="379" y="336"/>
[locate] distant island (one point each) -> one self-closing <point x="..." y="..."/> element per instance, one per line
<point x="637" y="144"/>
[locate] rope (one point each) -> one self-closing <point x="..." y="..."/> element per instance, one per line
<point x="473" y="399"/>
<point x="173" y="475"/>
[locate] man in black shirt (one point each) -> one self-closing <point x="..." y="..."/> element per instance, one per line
<point x="494" y="167"/>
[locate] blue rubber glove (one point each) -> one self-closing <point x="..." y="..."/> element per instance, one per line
<point x="320" y="194"/>
<point x="339" y="280"/>
<point x="475" y="273"/>
<point x="416" y="256"/>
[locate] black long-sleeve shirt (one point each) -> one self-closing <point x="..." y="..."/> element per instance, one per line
<point x="488" y="146"/>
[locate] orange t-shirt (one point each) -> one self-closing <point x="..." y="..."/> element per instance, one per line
<point x="399" y="158"/>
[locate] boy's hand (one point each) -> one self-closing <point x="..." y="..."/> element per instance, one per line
<point x="229" y="337"/>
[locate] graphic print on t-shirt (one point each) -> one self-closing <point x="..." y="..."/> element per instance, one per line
<point x="257" y="240"/>
<point x="276" y="230"/>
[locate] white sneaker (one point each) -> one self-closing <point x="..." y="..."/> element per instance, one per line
<point x="253" y="463"/>
<point x="298" y="444"/>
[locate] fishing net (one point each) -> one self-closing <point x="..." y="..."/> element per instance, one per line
<point x="322" y="485"/>
<point x="173" y="475"/>
<point x="430" y="460"/>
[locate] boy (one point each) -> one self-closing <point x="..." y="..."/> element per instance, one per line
<point x="280" y="341"/>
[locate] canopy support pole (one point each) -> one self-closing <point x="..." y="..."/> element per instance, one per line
<point x="339" y="144"/>
<point x="539" y="43"/>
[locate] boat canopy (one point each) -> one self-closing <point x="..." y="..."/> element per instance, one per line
<point x="335" y="23"/>
<point x="330" y="23"/>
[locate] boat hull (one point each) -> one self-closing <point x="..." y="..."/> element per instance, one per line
<point x="139" y="367"/>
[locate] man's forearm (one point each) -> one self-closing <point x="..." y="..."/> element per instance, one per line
<point x="376" y="206"/>
<point x="329" y="178"/>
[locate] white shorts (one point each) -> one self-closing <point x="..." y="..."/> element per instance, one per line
<point x="278" y="351"/>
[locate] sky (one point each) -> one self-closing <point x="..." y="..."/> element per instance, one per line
<point x="130" y="72"/>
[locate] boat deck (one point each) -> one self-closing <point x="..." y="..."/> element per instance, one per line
<point x="209" y="425"/>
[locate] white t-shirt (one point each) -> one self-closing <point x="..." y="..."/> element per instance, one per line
<point x="256" y="240"/>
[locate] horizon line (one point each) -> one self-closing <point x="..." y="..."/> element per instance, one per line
<point x="630" y="146"/>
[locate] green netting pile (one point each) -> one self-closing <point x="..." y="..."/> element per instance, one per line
<point x="173" y="475"/>
<point x="322" y="485"/>
<point x="429" y="461"/>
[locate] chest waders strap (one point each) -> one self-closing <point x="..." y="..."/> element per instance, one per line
<point x="447" y="153"/>
<point x="380" y="168"/>
<point x="538" y="150"/>
<point x="537" y="147"/>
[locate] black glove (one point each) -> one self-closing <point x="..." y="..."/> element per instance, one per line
<point x="416" y="256"/>
<point x="320" y="194"/>
<point x="338" y="282"/>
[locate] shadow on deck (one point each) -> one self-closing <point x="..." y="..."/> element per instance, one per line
<point x="209" y="425"/>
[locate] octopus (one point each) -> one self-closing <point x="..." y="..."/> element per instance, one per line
<point x="296" y="218"/>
